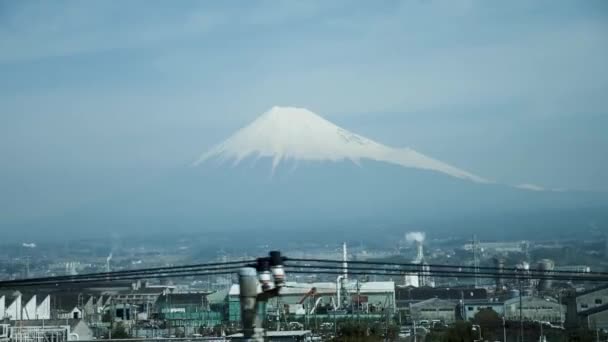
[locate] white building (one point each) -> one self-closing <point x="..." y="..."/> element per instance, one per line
<point x="369" y="294"/>
<point x="16" y="306"/>
<point x="50" y="330"/>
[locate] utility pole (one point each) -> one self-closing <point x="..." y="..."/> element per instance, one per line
<point x="504" y="329"/>
<point x="475" y="260"/>
<point x="248" y="285"/>
<point x="521" y="319"/>
<point x="270" y="267"/>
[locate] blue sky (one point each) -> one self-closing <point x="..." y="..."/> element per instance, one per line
<point x="96" y="95"/>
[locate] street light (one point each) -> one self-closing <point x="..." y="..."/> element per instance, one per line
<point x="504" y="330"/>
<point x="477" y="328"/>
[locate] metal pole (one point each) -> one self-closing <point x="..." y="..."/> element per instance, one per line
<point x="248" y="285"/>
<point x="521" y="319"/>
<point x="504" y="330"/>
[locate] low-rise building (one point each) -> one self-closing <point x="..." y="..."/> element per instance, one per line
<point x="472" y="307"/>
<point x="592" y="298"/>
<point x="15" y="305"/>
<point x="595" y="318"/>
<point x="535" y="309"/>
<point x="281" y="336"/>
<point x="405" y="295"/>
<point x="434" y="309"/>
<point x="50" y="330"/>
<point x="369" y="296"/>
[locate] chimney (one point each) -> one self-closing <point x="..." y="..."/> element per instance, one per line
<point x="419" y="251"/>
<point x="344" y="260"/>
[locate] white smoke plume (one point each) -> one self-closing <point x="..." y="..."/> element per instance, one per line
<point x="28" y="245"/>
<point x="415" y="236"/>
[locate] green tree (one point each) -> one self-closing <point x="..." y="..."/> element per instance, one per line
<point x="459" y="332"/>
<point x="120" y="331"/>
<point x="107" y="317"/>
<point x="490" y="323"/>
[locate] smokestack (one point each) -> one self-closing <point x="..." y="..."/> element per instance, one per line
<point x="344" y="260"/>
<point x="108" y="262"/>
<point x="419" y="251"/>
<point x="500" y="266"/>
<point x="418" y="238"/>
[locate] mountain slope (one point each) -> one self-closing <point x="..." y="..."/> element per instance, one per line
<point x="288" y="133"/>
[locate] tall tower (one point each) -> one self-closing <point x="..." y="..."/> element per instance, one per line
<point x="108" y="259"/>
<point x="345" y="260"/>
<point x="475" y="244"/>
<point x="499" y="263"/>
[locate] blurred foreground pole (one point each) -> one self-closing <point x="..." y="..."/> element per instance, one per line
<point x="248" y="284"/>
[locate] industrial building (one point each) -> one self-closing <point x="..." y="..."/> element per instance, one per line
<point x="535" y="309"/>
<point x="187" y="312"/>
<point x="281" y="336"/>
<point x="595" y="318"/>
<point x="592" y="298"/>
<point x="15" y="305"/>
<point x="46" y="330"/>
<point x="407" y="294"/>
<point x="434" y="309"/>
<point x="316" y="298"/>
<point x="498" y="247"/>
<point x="472" y="307"/>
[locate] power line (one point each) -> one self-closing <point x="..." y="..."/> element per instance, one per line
<point x="126" y="277"/>
<point x="462" y="274"/>
<point x="358" y="268"/>
<point x="156" y="272"/>
<point x="398" y="273"/>
<point x="517" y="275"/>
<point x="364" y="262"/>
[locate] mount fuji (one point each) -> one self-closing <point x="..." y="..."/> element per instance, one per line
<point x="297" y="134"/>
<point x="292" y="171"/>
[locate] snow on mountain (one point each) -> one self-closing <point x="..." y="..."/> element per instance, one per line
<point x="289" y="133"/>
<point x="531" y="187"/>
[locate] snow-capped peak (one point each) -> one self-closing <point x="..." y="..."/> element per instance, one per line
<point x="289" y="133"/>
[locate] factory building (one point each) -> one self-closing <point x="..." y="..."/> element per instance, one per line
<point x="18" y="306"/>
<point x="498" y="247"/>
<point x="535" y="309"/>
<point x="595" y="318"/>
<point x="187" y="311"/>
<point x="317" y="298"/>
<point x="47" y="330"/>
<point x="472" y="307"/>
<point x="434" y="309"/>
<point x="405" y="295"/>
<point x="592" y="298"/>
